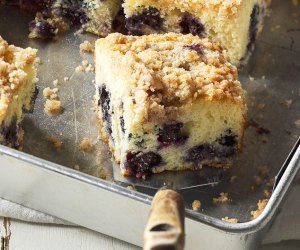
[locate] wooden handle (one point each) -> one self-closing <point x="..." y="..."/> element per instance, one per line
<point x="165" y="226"/>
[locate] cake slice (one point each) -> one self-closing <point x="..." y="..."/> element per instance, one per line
<point x="234" y="24"/>
<point x="17" y="90"/>
<point x="55" y="16"/>
<point x="168" y="102"/>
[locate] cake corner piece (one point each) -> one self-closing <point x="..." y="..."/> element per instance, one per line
<point x="168" y="102"/>
<point x="18" y="90"/>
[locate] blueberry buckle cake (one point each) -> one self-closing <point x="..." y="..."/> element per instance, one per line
<point x="168" y="102"/>
<point x="18" y="91"/>
<point x="95" y="16"/>
<point x="234" y="24"/>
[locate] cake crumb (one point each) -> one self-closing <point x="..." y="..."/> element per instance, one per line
<point x="230" y="220"/>
<point x="55" y="82"/>
<point x="56" y="142"/>
<point x="77" y="167"/>
<point x="223" y="198"/>
<point x="288" y="103"/>
<point x="90" y="68"/>
<point x="267" y="193"/>
<point x="102" y="174"/>
<point x="260" y="208"/>
<point x="132" y="188"/>
<point x="196" y="205"/>
<point x="84" y="63"/>
<point x="50" y="93"/>
<point x="86" y="145"/>
<point x="66" y="79"/>
<point x="86" y="47"/>
<point x="297" y="123"/>
<point x="79" y="69"/>
<point x="53" y="107"/>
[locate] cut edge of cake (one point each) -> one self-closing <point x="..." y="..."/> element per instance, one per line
<point x="18" y="77"/>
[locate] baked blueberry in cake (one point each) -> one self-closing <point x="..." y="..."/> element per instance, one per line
<point x="168" y="102"/>
<point x="18" y="91"/>
<point x="95" y="16"/>
<point x="234" y="24"/>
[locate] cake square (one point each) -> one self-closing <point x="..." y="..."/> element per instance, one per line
<point x="17" y="90"/>
<point x="168" y="102"/>
<point x="234" y="24"/>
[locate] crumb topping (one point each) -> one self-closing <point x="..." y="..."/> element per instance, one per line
<point x="196" y="205"/>
<point x="223" y="198"/>
<point x="260" y="208"/>
<point x="56" y="142"/>
<point x="174" y="69"/>
<point x="86" y="47"/>
<point x="13" y="63"/>
<point x="230" y="220"/>
<point x="53" y="107"/>
<point x="86" y="145"/>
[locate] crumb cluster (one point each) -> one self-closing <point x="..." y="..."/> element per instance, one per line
<point x="260" y="208"/>
<point x="85" y="67"/>
<point x="230" y="220"/>
<point x="56" y="142"/>
<point x="53" y="107"/>
<point x="223" y="198"/>
<point x="196" y="205"/>
<point x="86" y="145"/>
<point x="86" y="47"/>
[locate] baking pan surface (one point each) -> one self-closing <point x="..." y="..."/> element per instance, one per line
<point x="271" y="79"/>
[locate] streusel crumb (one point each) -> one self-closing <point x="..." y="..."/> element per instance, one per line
<point x="260" y="208"/>
<point x="56" y="142"/>
<point x="50" y="93"/>
<point x="53" y="107"/>
<point x="223" y="198"/>
<point x="196" y="205"/>
<point x="86" y="145"/>
<point x="230" y="220"/>
<point x="86" y="47"/>
<point x="297" y="123"/>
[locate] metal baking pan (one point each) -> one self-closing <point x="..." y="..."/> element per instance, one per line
<point x="44" y="179"/>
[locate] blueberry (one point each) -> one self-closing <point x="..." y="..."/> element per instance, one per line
<point x="190" y="24"/>
<point x="197" y="47"/>
<point x="171" y="134"/>
<point x="104" y="103"/>
<point x="149" y="17"/>
<point x="140" y="164"/>
<point x="41" y="28"/>
<point x="72" y="11"/>
<point x="208" y="152"/>
<point x="200" y="153"/>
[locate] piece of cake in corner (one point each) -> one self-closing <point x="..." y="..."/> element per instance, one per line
<point x="234" y="24"/>
<point x="17" y="90"/>
<point x="168" y="102"/>
<point x="56" y="16"/>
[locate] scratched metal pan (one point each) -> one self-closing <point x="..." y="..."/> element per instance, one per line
<point x="45" y="179"/>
